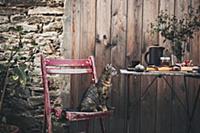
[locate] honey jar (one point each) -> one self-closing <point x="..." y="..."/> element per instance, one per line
<point x="165" y="61"/>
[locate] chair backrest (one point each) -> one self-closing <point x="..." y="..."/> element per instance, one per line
<point x="51" y="66"/>
<point x="68" y="66"/>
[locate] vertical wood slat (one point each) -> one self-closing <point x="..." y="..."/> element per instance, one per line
<point x="134" y="27"/>
<point x="118" y="40"/>
<point x="87" y="36"/>
<point x="148" y="105"/>
<point x="87" y="42"/>
<point x="164" y="93"/>
<point x="166" y="6"/>
<point x="195" y="56"/>
<point x="66" y="49"/>
<point x="179" y="113"/>
<point x="75" y="45"/>
<point x="133" y="52"/>
<point x="103" y="24"/>
<point x="195" y="48"/>
<point x="102" y="49"/>
<point x="72" y="45"/>
<point x="150" y="12"/>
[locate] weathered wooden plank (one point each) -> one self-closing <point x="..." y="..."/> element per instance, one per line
<point x="103" y="24"/>
<point x="179" y="108"/>
<point x="102" y="49"/>
<point x="148" y="105"/>
<point x="87" y="36"/>
<point x="133" y="52"/>
<point x="195" y="48"/>
<point x="87" y="41"/>
<point x="150" y="12"/>
<point x="72" y="29"/>
<point x="164" y="94"/>
<point x="87" y="31"/>
<point x="71" y="39"/>
<point x="67" y="47"/>
<point x="181" y="8"/>
<point x="134" y="105"/>
<point x="164" y="106"/>
<point x="194" y="83"/>
<point x="195" y="106"/>
<point x="71" y="46"/>
<point x="134" y="27"/>
<point x="179" y="113"/>
<point x="166" y="6"/>
<point x="118" y="41"/>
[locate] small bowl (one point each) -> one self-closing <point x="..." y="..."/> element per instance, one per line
<point x="134" y="63"/>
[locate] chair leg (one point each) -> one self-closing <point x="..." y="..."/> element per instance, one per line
<point x="87" y="126"/>
<point x="102" y="125"/>
<point x="67" y="128"/>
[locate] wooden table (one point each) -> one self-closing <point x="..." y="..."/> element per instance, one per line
<point x="156" y="75"/>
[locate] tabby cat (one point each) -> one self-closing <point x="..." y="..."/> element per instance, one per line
<point x="95" y="98"/>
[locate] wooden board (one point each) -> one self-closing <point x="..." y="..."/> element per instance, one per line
<point x="193" y="89"/>
<point x="87" y="44"/>
<point x="102" y="49"/>
<point x="179" y="113"/>
<point x="67" y="48"/>
<point x="133" y="52"/>
<point x="87" y="38"/>
<point x="166" y="6"/>
<point x="164" y="94"/>
<point x="103" y="24"/>
<point x="148" y="105"/>
<point x="118" y="41"/>
<point x="71" y="47"/>
<point x="134" y="105"/>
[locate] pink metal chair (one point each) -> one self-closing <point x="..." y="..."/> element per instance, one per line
<point x="69" y="67"/>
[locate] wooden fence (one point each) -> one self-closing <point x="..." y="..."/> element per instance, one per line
<point x="117" y="32"/>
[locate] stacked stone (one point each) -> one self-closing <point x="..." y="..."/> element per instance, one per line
<point x="42" y="24"/>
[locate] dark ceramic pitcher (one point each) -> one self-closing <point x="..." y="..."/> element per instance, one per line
<point x="152" y="56"/>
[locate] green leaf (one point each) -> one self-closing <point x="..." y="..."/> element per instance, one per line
<point x="15" y="77"/>
<point x="18" y="71"/>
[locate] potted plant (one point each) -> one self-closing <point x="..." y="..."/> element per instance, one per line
<point x="179" y="31"/>
<point x="14" y="72"/>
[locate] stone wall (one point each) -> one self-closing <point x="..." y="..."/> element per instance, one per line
<point x="42" y="23"/>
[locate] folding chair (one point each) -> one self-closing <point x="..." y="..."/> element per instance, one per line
<point x="68" y="67"/>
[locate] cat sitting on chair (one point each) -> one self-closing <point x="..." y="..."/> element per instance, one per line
<point x="95" y="98"/>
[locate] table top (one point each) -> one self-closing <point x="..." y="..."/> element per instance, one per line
<point x="161" y="73"/>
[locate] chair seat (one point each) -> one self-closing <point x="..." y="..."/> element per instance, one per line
<point x="77" y="116"/>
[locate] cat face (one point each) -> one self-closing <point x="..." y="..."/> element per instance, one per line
<point x="110" y="70"/>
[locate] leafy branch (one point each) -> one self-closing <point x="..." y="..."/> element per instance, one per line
<point x="15" y="67"/>
<point x="177" y="30"/>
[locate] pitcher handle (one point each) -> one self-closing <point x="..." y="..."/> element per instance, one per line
<point x="145" y="58"/>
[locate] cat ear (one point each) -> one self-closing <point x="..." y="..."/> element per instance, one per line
<point x="110" y="65"/>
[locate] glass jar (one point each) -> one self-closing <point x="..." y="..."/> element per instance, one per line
<point x="165" y="61"/>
